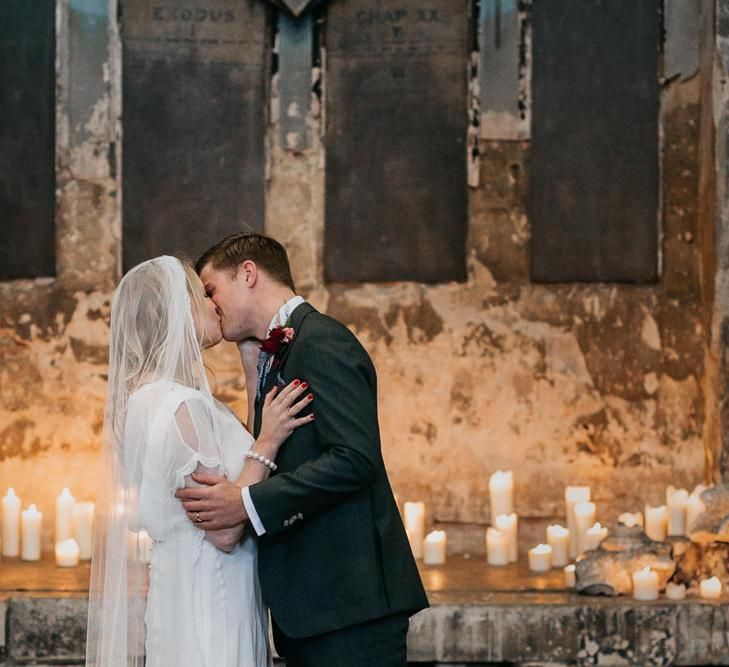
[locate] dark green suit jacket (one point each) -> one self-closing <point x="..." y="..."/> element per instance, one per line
<point x="335" y="552"/>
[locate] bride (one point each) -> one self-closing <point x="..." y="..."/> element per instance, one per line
<point x="197" y="603"/>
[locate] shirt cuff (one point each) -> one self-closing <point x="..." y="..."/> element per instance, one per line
<point x="251" y="511"/>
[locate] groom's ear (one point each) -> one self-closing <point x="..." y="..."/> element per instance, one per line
<point x="248" y="273"/>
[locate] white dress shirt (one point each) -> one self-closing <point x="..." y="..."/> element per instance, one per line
<point x="279" y="320"/>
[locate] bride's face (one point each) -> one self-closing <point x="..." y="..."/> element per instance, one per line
<point x="205" y="316"/>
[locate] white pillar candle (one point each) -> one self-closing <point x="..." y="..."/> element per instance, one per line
<point x="434" y="548"/>
<point x="509" y="524"/>
<point x="675" y="591"/>
<point x="30" y="531"/>
<point x="558" y="537"/>
<point x="67" y="553"/>
<point x="572" y="496"/>
<point x="11" y="524"/>
<point x="540" y="558"/>
<point x="570" y="580"/>
<point x="656" y="522"/>
<point x="594" y="535"/>
<point x="710" y="589"/>
<point x="645" y="584"/>
<point x="64" y="515"/>
<point x="83" y="528"/>
<point x="676" y="500"/>
<point x="415" y="526"/>
<point x="497" y="547"/>
<point x="144" y="544"/>
<point x="501" y="493"/>
<point x="694" y="507"/>
<point x="584" y="518"/>
<point x="630" y="520"/>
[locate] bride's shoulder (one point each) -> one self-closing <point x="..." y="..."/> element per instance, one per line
<point x="161" y="390"/>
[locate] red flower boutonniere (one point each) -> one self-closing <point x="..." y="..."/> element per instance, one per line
<point x="277" y="339"/>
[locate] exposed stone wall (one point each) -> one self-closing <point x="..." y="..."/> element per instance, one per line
<point x="598" y="384"/>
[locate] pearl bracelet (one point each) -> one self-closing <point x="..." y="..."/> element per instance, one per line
<point x="262" y="459"/>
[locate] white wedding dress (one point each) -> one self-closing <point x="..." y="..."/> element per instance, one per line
<point x="204" y="606"/>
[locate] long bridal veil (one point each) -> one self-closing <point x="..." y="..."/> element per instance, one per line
<point x="152" y="338"/>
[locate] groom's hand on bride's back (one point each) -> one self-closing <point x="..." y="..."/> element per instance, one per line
<point x="216" y="505"/>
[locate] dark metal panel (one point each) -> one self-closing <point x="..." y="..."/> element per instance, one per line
<point x="294" y="80"/>
<point x="396" y="194"/>
<point x="194" y="82"/>
<point x="27" y="138"/>
<point x="594" y="184"/>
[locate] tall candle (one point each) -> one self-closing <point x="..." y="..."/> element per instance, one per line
<point x="83" y="524"/>
<point x="64" y="515"/>
<point x="570" y="579"/>
<point x="594" y="535"/>
<point x="508" y="523"/>
<point x="434" y="548"/>
<point x="415" y="526"/>
<point x="676" y="499"/>
<point x="501" y="493"/>
<point x="572" y="496"/>
<point x="694" y="507"/>
<point x="30" y="531"/>
<point x="656" y="522"/>
<point x="497" y="547"/>
<point x="645" y="584"/>
<point x="540" y="558"/>
<point x="558" y="537"/>
<point x="67" y="553"/>
<point x="584" y="519"/>
<point x="11" y="524"/>
<point x="710" y="589"/>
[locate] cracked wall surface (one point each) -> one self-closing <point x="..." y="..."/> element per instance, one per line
<point x="599" y="384"/>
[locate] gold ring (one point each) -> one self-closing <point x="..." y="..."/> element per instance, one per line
<point x="197" y="517"/>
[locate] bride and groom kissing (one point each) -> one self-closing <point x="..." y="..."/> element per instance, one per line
<point x="295" y="515"/>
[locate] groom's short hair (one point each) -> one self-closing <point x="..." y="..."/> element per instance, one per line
<point x="267" y="253"/>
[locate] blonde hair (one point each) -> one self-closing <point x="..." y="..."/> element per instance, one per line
<point x="196" y="291"/>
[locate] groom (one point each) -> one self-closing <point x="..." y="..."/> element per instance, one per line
<point x="335" y="566"/>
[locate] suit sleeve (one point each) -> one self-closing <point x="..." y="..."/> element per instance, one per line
<point x="342" y="380"/>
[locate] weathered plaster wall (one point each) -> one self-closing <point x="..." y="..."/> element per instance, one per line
<point x="598" y="384"/>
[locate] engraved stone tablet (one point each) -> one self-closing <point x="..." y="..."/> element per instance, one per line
<point x="194" y="81"/>
<point x="396" y="200"/>
<point x="594" y="183"/>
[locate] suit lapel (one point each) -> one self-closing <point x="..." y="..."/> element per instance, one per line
<point x="297" y="319"/>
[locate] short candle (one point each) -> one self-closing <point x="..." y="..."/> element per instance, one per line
<point x="497" y="547"/>
<point x="656" y="522"/>
<point x="509" y="525"/>
<point x="570" y="579"/>
<point x="67" y="553"/>
<point x="540" y="558"/>
<point x="594" y="536"/>
<point x="434" y="548"/>
<point x="631" y="519"/>
<point x="558" y="537"/>
<point x="676" y="500"/>
<point x="710" y="589"/>
<point x="645" y="584"/>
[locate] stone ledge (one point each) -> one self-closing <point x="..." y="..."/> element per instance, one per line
<point x="479" y="616"/>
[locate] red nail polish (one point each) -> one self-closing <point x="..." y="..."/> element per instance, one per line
<point x="310" y="397"/>
<point x="304" y="385"/>
<point x="295" y="383"/>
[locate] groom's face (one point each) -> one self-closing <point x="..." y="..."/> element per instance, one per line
<point x="232" y="299"/>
